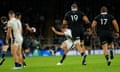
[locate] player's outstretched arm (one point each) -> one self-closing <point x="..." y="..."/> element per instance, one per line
<point x="93" y="26"/>
<point x="57" y="32"/>
<point x="87" y="22"/>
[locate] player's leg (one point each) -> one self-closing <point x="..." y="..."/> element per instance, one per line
<point x="81" y="48"/>
<point x="14" y="54"/>
<point x="64" y="56"/>
<point x="14" y="51"/>
<point x="23" y="59"/>
<point x="111" y="47"/>
<point x="104" y="44"/>
<point x="23" y="55"/>
<point x="4" y="50"/>
<point x="65" y="46"/>
<point x="110" y="40"/>
<point x="19" y="53"/>
<point x="105" y="50"/>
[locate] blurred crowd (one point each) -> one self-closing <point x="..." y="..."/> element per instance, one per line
<point x="36" y="44"/>
<point x="50" y="46"/>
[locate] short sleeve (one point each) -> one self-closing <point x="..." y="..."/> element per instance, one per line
<point x="82" y="13"/>
<point x="23" y="26"/>
<point x="9" y="24"/>
<point x="66" y="17"/>
<point x="112" y="17"/>
<point x="96" y="18"/>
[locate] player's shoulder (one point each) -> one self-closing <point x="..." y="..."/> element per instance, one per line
<point x="80" y="11"/>
<point x="110" y="15"/>
<point x="68" y="12"/>
<point x="97" y="16"/>
<point x="12" y="20"/>
<point x="9" y="21"/>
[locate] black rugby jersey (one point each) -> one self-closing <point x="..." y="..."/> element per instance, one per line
<point x="104" y="22"/>
<point x="75" y="19"/>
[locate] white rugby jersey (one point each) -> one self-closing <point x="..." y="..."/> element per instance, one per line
<point x="20" y="24"/>
<point x="16" y="27"/>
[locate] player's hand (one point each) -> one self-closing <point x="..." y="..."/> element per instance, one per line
<point x="117" y="35"/>
<point x="94" y="35"/>
<point x="53" y="28"/>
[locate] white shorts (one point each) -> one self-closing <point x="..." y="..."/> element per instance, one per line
<point x="68" y="43"/>
<point x="18" y="40"/>
<point x="71" y="44"/>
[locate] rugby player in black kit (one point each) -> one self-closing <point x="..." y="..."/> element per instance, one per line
<point x="76" y="20"/>
<point x="4" y="46"/>
<point x="103" y="26"/>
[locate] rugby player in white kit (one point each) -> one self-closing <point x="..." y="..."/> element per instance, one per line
<point x="15" y="32"/>
<point x="68" y="43"/>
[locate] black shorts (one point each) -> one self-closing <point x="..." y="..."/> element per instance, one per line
<point x="78" y="34"/>
<point x="26" y="43"/>
<point x="106" y="37"/>
<point x="87" y="40"/>
<point x="87" y="43"/>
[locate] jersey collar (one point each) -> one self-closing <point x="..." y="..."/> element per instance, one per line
<point x="104" y="13"/>
<point x="13" y="18"/>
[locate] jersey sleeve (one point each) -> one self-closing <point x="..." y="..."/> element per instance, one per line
<point x="82" y="13"/>
<point x="112" y="17"/>
<point x="9" y="24"/>
<point x="23" y="26"/>
<point x="66" y="17"/>
<point x="96" y="18"/>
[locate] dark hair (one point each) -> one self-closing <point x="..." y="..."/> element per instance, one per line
<point x="74" y="5"/>
<point x="18" y="14"/>
<point x="104" y="9"/>
<point x="11" y="12"/>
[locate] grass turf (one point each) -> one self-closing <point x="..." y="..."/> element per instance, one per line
<point x="95" y="63"/>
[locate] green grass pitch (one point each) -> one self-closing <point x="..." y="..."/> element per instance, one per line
<point x="95" y="63"/>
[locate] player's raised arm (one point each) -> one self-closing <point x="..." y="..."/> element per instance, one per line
<point x="86" y="20"/>
<point x="93" y="26"/>
<point x="28" y="27"/>
<point x="57" y="32"/>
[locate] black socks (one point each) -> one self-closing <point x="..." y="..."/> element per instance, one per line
<point x="64" y="56"/>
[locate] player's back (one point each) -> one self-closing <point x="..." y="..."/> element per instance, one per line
<point x="13" y="23"/>
<point x="74" y="19"/>
<point x="104" y="22"/>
